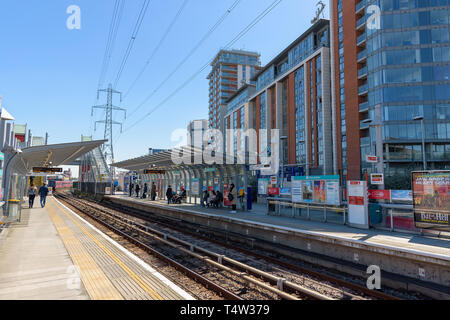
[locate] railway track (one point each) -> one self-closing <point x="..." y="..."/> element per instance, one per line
<point x="275" y="283"/>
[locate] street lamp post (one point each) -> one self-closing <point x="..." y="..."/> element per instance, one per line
<point x="421" y="119"/>
<point x="283" y="139"/>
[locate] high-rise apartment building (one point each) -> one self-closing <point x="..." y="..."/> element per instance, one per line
<point x="293" y="94"/>
<point x="231" y="69"/>
<point x="391" y="77"/>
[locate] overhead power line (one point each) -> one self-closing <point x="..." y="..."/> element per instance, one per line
<point x="113" y="28"/>
<point x="158" y="46"/>
<point x="264" y="13"/>
<point x="136" y="29"/>
<point x="110" y="43"/>
<point x="186" y="58"/>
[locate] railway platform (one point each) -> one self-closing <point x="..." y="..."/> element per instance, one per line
<point x="426" y="259"/>
<point x="53" y="254"/>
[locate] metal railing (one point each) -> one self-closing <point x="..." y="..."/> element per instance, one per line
<point x="307" y="211"/>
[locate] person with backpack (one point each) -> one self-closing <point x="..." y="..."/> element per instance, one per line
<point x="31" y="196"/>
<point x="232" y="198"/>
<point x="43" y="192"/>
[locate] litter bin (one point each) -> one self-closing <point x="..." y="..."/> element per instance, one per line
<point x="13" y="209"/>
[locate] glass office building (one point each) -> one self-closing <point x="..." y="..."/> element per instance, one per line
<point x="392" y="68"/>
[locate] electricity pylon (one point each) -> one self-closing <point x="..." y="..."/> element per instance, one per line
<point x="108" y="149"/>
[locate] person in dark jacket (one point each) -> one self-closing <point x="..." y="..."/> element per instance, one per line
<point x="31" y="195"/>
<point x="137" y="189"/>
<point x="43" y="192"/>
<point x="169" y="194"/>
<point x="232" y="195"/>
<point x="131" y="189"/>
<point x="153" y="192"/>
<point x="144" y="192"/>
<point x="205" y="198"/>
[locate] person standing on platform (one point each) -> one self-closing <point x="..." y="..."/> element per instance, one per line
<point x="31" y="195"/>
<point x="144" y="192"/>
<point x="169" y="194"/>
<point x="153" y="191"/>
<point x="138" y="188"/>
<point x="131" y="189"/>
<point x="43" y="192"/>
<point x="232" y="198"/>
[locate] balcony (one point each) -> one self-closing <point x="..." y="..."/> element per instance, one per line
<point x="362" y="73"/>
<point x="365" y="124"/>
<point x="361" y="39"/>
<point x="362" y="55"/>
<point x="363" y="107"/>
<point x="361" y="5"/>
<point x="361" y="22"/>
<point x="364" y="89"/>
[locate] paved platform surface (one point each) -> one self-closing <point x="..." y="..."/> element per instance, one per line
<point x="53" y="254"/>
<point x="430" y="246"/>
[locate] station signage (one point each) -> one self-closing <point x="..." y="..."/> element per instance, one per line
<point x="154" y="172"/>
<point x="380" y="194"/>
<point x="273" y="180"/>
<point x="358" y="204"/>
<point x="46" y="170"/>
<point x="273" y="191"/>
<point x="371" y="159"/>
<point x="377" y="178"/>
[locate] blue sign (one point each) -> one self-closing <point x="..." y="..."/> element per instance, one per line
<point x="285" y="191"/>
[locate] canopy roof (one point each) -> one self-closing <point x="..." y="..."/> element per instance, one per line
<point x="163" y="160"/>
<point x="50" y="155"/>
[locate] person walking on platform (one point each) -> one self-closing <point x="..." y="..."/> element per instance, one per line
<point x="131" y="189"/>
<point x="31" y="195"/>
<point x="138" y="188"/>
<point x="153" y="191"/>
<point x="169" y="194"/>
<point x="43" y="192"/>
<point x="232" y="198"/>
<point x="144" y="192"/>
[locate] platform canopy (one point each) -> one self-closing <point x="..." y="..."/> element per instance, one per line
<point x="50" y="155"/>
<point x="163" y="160"/>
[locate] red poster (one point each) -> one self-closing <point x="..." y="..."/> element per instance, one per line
<point x="380" y="194"/>
<point x="273" y="191"/>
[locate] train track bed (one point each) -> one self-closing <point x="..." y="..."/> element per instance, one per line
<point x="281" y="272"/>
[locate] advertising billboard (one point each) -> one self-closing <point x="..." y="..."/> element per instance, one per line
<point x="195" y="183"/>
<point x="316" y="189"/>
<point x="263" y="186"/>
<point x="431" y="199"/>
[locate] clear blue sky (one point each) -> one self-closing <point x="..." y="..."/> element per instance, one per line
<point x="49" y="74"/>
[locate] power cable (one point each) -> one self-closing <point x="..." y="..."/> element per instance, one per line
<point x="132" y="40"/>
<point x="272" y="6"/>
<point x="193" y="50"/>
<point x="158" y="46"/>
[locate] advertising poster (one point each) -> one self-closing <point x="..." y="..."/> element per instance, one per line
<point x="285" y="191"/>
<point x="308" y="191"/>
<point x="402" y="195"/>
<point x="297" y="195"/>
<point x="316" y="189"/>
<point x="262" y="186"/>
<point x="431" y="198"/>
<point x="333" y="196"/>
<point x="195" y="183"/>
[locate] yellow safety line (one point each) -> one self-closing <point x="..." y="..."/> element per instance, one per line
<point x="97" y="284"/>
<point x="143" y="285"/>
